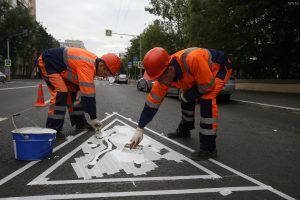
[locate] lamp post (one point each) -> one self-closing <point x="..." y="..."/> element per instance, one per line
<point x="109" y="32"/>
<point x="7" y="70"/>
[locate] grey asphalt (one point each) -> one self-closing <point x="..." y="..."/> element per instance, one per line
<point x="260" y="142"/>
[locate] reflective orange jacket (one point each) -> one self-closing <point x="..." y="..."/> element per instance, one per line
<point x="196" y="67"/>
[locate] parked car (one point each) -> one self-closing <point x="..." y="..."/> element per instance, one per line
<point x="145" y="85"/>
<point x="2" y="77"/>
<point x="225" y="94"/>
<point x="228" y="89"/>
<point x="122" y="78"/>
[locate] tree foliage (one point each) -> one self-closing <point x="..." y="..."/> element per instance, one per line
<point x="262" y="36"/>
<point x="27" y="38"/>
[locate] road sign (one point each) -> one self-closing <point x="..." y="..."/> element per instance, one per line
<point x="108" y="32"/>
<point x="135" y="63"/>
<point x="129" y="64"/>
<point x="135" y="59"/>
<point x="7" y="63"/>
<point x="140" y="65"/>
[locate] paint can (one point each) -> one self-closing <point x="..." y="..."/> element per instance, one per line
<point x="32" y="143"/>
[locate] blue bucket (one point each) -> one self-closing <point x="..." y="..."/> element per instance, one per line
<point x="33" y="143"/>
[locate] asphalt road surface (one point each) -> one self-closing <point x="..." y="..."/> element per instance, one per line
<point x="258" y="150"/>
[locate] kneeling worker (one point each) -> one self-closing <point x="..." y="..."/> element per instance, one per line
<point x="69" y="72"/>
<point x="200" y="74"/>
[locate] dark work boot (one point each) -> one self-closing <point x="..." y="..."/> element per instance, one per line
<point x="82" y="127"/>
<point x="179" y="134"/>
<point x="203" y="155"/>
<point x="60" y="135"/>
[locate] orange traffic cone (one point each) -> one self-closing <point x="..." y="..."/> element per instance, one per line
<point x="40" y="102"/>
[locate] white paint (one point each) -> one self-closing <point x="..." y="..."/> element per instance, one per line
<point x="268" y="105"/>
<point x="156" y="133"/>
<point x="2" y="119"/>
<point x="252" y="180"/>
<point x="113" y="161"/>
<point x="15" y="88"/>
<point x="225" y="192"/>
<point x="138" y="193"/>
<point x="34" y="130"/>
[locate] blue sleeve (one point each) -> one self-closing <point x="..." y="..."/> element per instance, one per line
<point x="192" y="93"/>
<point x="146" y="116"/>
<point x="89" y="105"/>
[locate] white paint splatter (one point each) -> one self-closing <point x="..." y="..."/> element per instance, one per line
<point x="104" y="154"/>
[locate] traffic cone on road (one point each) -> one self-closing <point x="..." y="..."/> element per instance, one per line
<point x="40" y="102"/>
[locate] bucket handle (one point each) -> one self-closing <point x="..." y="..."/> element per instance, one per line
<point x="26" y="137"/>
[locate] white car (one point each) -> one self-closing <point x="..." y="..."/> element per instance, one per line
<point x="122" y="78"/>
<point x="2" y="77"/>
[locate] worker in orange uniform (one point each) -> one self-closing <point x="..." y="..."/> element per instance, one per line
<point x="69" y="73"/>
<point x="200" y="74"/>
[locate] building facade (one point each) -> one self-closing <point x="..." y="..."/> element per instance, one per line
<point x="72" y="43"/>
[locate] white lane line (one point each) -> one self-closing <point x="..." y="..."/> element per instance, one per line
<point x="224" y="166"/>
<point x="139" y="193"/>
<point x="27" y="166"/>
<point x="251" y="179"/>
<point x="2" y="119"/>
<point x="14" y="88"/>
<point x="268" y="105"/>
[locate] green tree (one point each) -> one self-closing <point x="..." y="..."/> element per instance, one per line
<point x="26" y="37"/>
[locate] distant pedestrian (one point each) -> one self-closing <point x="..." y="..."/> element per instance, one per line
<point x="69" y="73"/>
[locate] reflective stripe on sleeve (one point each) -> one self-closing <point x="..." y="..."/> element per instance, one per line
<point x="152" y="105"/>
<point x="86" y="84"/>
<point x="154" y="96"/>
<point x="204" y="88"/>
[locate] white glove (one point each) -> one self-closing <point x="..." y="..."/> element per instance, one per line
<point x="136" y="138"/>
<point x="96" y="124"/>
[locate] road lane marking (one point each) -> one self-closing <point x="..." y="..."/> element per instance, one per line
<point x="268" y="105"/>
<point x="2" y="119"/>
<point x="139" y="193"/>
<point x="27" y="166"/>
<point x="285" y="196"/>
<point x="15" y="88"/>
<point x="43" y="178"/>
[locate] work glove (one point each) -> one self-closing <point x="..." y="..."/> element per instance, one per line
<point x="96" y="124"/>
<point x="136" y="138"/>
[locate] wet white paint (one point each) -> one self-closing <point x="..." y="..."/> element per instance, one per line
<point x="104" y="154"/>
<point x="34" y="130"/>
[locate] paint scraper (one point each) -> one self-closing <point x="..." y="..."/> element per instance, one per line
<point x="138" y="149"/>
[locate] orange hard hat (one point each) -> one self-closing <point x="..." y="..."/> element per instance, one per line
<point x="113" y="62"/>
<point x="156" y="62"/>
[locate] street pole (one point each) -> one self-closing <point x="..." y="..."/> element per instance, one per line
<point x="7" y="69"/>
<point x="7" y="42"/>
<point x="141" y="54"/>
